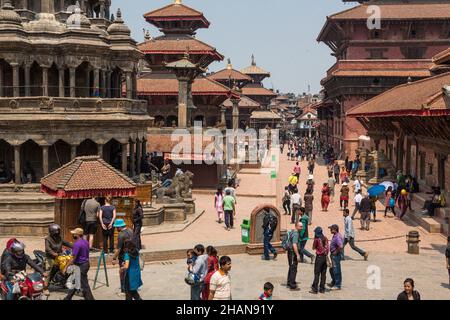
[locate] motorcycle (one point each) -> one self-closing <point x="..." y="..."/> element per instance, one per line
<point x="26" y="287"/>
<point x="60" y="278"/>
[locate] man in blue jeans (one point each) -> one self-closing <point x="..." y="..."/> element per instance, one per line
<point x="270" y="223"/>
<point x="336" y="247"/>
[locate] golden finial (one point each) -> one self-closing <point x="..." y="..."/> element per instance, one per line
<point x="178" y="1"/>
<point x="229" y="66"/>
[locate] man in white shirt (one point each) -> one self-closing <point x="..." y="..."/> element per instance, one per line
<point x="296" y="201"/>
<point x="358" y="198"/>
<point x="356" y="186"/>
<point x="220" y="283"/>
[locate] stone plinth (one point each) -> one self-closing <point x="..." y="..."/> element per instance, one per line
<point x="175" y="212"/>
<point x="153" y="216"/>
<point x="190" y="205"/>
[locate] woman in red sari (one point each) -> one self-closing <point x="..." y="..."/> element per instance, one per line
<point x="213" y="266"/>
<point x="325" y="197"/>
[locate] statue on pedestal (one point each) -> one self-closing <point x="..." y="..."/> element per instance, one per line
<point x="380" y="163"/>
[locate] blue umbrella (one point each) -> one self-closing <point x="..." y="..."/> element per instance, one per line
<point x="376" y="190"/>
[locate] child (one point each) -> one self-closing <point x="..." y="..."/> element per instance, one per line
<point x="191" y="278"/>
<point x="268" y="292"/>
<point x="218" y="203"/>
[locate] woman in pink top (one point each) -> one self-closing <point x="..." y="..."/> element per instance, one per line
<point x="297" y="170"/>
<point x="218" y="204"/>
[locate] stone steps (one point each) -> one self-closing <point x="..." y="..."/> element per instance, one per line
<point x="420" y="198"/>
<point x="25" y="201"/>
<point x="431" y="224"/>
<point x="25" y="223"/>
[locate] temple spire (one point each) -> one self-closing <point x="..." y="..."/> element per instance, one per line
<point x="229" y="65"/>
<point x="178" y="2"/>
<point x="253" y="60"/>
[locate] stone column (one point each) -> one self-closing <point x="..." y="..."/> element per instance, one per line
<point x="45" y="81"/>
<point x="182" y="103"/>
<point x="223" y="120"/>
<point x="103" y="90"/>
<point x="17" y="178"/>
<point x="47" y="6"/>
<point x="16" y="88"/>
<point x="61" y="5"/>
<point x="88" y="83"/>
<point x="45" y="160"/>
<point x="2" y="84"/>
<point x="138" y="156"/>
<point x="132" y="156"/>
<point x="100" y="150"/>
<point x="108" y="84"/>
<point x="129" y="86"/>
<point x="96" y="83"/>
<point x="102" y="9"/>
<point x="73" y="152"/>
<point x="144" y="147"/>
<point x="27" y="68"/>
<point x="61" y="82"/>
<point x="235" y="113"/>
<point x="72" y="82"/>
<point x="124" y="157"/>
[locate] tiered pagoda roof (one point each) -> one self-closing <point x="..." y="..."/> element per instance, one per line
<point x="254" y="70"/>
<point x="244" y="103"/>
<point x="256" y="89"/>
<point x="229" y="74"/>
<point x="419" y="98"/>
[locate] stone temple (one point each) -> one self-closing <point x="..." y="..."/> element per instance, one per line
<point x="67" y="88"/>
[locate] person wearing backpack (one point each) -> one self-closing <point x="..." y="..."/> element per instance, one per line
<point x="292" y="245"/>
<point x="304" y="236"/>
<point x="270" y="223"/>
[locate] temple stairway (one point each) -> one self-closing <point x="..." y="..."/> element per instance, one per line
<point x="25" y="211"/>
<point x="437" y="224"/>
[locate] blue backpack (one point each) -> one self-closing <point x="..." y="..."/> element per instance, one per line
<point x="286" y="242"/>
<point x="392" y="202"/>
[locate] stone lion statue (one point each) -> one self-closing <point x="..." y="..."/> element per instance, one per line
<point x="181" y="187"/>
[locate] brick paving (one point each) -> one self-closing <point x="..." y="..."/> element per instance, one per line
<point x="385" y="241"/>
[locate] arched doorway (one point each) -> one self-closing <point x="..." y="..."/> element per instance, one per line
<point x="59" y="155"/>
<point x="6" y="162"/>
<point x="87" y="148"/>
<point x="112" y="151"/>
<point x="116" y="83"/>
<point x="35" y="80"/>
<point x="82" y="79"/>
<point x="53" y="81"/>
<point x="31" y="159"/>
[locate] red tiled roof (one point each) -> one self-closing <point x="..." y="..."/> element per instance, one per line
<point x="442" y="57"/>
<point x="257" y="90"/>
<point x="402" y="11"/>
<point x="176" y="12"/>
<point x="85" y="177"/>
<point x="245" y="102"/>
<point x="167" y="85"/>
<point x="226" y="74"/>
<point x="416" y="98"/>
<point x="171" y="45"/>
<point x="380" y="68"/>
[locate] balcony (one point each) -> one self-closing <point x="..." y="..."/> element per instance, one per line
<point x="72" y="105"/>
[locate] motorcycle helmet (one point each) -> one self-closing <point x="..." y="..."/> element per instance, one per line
<point x="18" y="250"/>
<point x="54" y="230"/>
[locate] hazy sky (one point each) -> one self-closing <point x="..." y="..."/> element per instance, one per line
<point x="281" y="33"/>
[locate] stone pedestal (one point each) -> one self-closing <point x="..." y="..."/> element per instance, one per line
<point x="153" y="217"/>
<point x="190" y="205"/>
<point x="175" y="212"/>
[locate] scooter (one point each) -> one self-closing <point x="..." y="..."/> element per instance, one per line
<point x="29" y="287"/>
<point x="59" y="279"/>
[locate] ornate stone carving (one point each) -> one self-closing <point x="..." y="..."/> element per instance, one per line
<point x="76" y="104"/>
<point x="180" y="188"/>
<point x="13" y="104"/>
<point x="98" y="105"/>
<point x="47" y="104"/>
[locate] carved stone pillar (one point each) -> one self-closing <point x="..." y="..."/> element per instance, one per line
<point x="124" y="157"/>
<point x="88" y="83"/>
<point x="235" y="113"/>
<point x="2" y="83"/>
<point x="144" y="147"/>
<point x="183" y="103"/>
<point x="16" y="91"/>
<point x="47" y="6"/>
<point x="17" y="177"/>
<point x="132" y="157"/>
<point x="27" y="68"/>
<point x="103" y="89"/>
<point x="100" y="150"/>
<point x="223" y="120"/>
<point x="45" y="81"/>
<point x="102" y="9"/>
<point x="96" y="83"/>
<point x="129" y="85"/>
<point x="45" y="160"/>
<point x="138" y="156"/>
<point x="108" y="84"/>
<point x="61" y="82"/>
<point x="73" y="152"/>
<point x="72" y="82"/>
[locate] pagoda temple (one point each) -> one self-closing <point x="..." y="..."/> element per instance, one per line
<point x="159" y="86"/>
<point x="369" y="62"/>
<point x="233" y="79"/>
<point x="178" y="93"/>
